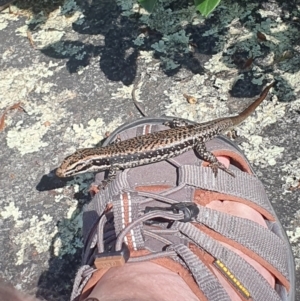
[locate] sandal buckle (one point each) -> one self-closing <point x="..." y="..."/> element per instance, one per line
<point x="112" y="259"/>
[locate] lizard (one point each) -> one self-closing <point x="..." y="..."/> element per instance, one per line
<point x="155" y="147"/>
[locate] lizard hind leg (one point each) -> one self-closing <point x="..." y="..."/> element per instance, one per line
<point x="214" y="164"/>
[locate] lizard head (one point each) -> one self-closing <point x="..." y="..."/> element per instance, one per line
<point x="81" y="161"/>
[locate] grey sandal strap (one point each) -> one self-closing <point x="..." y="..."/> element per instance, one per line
<point x="255" y="285"/>
<point x="248" y="234"/>
<point x="206" y="280"/>
<point x="243" y="185"/>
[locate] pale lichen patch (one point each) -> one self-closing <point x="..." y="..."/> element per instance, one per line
<point x="217" y="64"/>
<point x="16" y="84"/>
<point x="80" y="136"/>
<point x="34" y="235"/>
<point x="293" y="80"/>
<point x="5" y="18"/>
<point x="53" y="27"/>
<point x="292" y="176"/>
<point x="59" y="197"/>
<point x="206" y="95"/>
<point x="260" y="151"/>
<point x="294" y="237"/>
<point x="44" y="114"/>
<point x="122" y="92"/>
<point x="266" y="114"/>
<point x="27" y="140"/>
<point x="295" y="105"/>
<point x="43" y="38"/>
<point x="147" y="56"/>
<point x="11" y="211"/>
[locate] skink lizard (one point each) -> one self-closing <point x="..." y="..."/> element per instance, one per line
<point x="155" y="147"/>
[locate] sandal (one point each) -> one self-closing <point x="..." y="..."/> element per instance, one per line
<point x="170" y="213"/>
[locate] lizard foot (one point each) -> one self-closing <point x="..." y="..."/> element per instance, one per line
<point x="102" y="185"/>
<point x="218" y="165"/>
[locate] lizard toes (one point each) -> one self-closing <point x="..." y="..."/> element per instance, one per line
<point x="223" y="167"/>
<point x="102" y="185"/>
<point x="214" y="167"/>
<point x="217" y="165"/>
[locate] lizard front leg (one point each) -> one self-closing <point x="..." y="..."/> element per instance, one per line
<point x="201" y="150"/>
<point x="111" y="176"/>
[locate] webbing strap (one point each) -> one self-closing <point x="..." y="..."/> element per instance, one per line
<point x="260" y="240"/>
<point x="243" y="185"/>
<point x="82" y="277"/>
<point x="126" y="209"/>
<point x="93" y="211"/>
<point x="252" y="281"/>
<point x="206" y="280"/>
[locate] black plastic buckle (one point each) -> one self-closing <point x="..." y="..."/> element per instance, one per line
<point x="189" y="209"/>
<point x="112" y="259"/>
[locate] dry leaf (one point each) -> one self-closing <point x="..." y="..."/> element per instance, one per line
<point x="147" y="31"/>
<point x="13" y="107"/>
<point x="16" y="106"/>
<point x="261" y="36"/>
<point x="248" y="63"/>
<point x="295" y="188"/>
<point x="193" y="44"/>
<point x="190" y="99"/>
<point x="29" y="36"/>
<point x="2" y="120"/>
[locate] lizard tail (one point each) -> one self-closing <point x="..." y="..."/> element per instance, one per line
<point x="248" y="111"/>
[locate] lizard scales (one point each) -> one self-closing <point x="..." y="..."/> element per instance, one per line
<point x="154" y="147"/>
